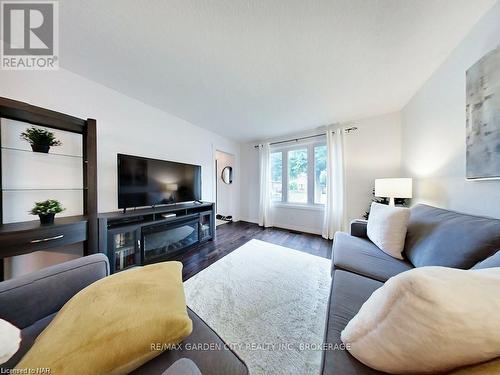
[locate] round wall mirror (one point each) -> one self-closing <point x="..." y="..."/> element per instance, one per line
<point x="227" y="175"/>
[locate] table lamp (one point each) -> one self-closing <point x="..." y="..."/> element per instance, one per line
<point x="393" y="188"/>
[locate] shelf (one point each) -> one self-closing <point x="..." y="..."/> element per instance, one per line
<point x="73" y="166"/>
<point x="130" y="249"/>
<point x="131" y="212"/>
<point x="6" y="229"/>
<point x="118" y="226"/>
<point x="30" y="236"/>
<point x="43" y="153"/>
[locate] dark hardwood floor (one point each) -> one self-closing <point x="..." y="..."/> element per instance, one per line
<point x="232" y="235"/>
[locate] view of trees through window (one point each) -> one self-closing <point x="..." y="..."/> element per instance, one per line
<point x="297" y="176"/>
<point x="292" y="170"/>
<point x="276" y="176"/>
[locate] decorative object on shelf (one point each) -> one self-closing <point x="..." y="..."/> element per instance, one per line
<point x="227" y="175"/>
<point x="40" y="139"/>
<point x="483" y="118"/>
<point x="46" y="210"/>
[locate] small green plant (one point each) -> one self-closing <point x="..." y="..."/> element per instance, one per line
<point x="50" y="206"/>
<point x="36" y="136"/>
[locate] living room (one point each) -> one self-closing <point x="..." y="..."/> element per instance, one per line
<point x="250" y="187"/>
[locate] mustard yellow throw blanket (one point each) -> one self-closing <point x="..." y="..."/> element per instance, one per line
<point x="114" y="325"/>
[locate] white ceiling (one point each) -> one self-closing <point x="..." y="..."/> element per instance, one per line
<point x="252" y="69"/>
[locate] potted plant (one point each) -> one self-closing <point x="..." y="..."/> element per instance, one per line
<point x="46" y="210"/>
<point x="40" y="139"/>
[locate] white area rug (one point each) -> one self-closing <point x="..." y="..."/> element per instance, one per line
<point x="269" y="303"/>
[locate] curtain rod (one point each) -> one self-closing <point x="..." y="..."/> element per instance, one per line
<point x="347" y="130"/>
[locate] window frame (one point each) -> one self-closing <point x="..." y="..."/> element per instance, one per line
<point x="309" y="144"/>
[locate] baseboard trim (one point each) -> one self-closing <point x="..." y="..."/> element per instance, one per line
<point x="295" y="228"/>
<point x="298" y="228"/>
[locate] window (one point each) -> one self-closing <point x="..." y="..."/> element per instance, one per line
<point x="298" y="173"/>
<point x="276" y="176"/>
<point x="320" y="174"/>
<point x="297" y="176"/>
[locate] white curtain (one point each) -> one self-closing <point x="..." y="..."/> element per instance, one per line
<point x="335" y="209"/>
<point x="265" y="186"/>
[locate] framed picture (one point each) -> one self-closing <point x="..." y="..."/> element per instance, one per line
<point x="483" y="118"/>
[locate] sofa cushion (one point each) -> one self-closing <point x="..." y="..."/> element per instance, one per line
<point x="349" y="291"/>
<point x="438" y="237"/>
<point x="28" y="336"/>
<point x="131" y="306"/>
<point x="492" y="261"/>
<point x="428" y="320"/>
<point x="387" y="228"/>
<point x="215" y="362"/>
<point x="361" y="256"/>
<point x="218" y="361"/>
<point x="183" y="366"/>
<point x="491" y="367"/>
<point x="10" y="340"/>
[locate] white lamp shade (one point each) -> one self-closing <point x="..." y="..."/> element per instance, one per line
<point x="393" y="187"/>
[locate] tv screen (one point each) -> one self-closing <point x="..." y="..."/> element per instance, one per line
<point x="149" y="182"/>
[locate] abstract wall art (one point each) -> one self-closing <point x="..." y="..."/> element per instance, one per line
<point x="483" y="118"/>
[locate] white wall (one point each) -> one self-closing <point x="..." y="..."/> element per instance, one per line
<point x="227" y="194"/>
<point x="124" y="125"/>
<point x="433" y="130"/>
<point x="373" y="151"/>
<point x="249" y="165"/>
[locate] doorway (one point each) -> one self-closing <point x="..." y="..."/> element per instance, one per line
<point x="225" y="188"/>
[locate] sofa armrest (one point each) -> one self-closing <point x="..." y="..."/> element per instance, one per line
<point x="358" y="228"/>
<point x="26" y="299"/>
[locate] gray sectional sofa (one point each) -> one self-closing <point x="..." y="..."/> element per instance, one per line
<point x="435" y="237"/>
<point x="30" y="302"/>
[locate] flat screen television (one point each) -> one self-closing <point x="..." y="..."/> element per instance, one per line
<point x="150" y="182"/>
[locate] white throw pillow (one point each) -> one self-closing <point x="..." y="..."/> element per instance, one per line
<point x="10" y="339"/>
<point x="428" y="319"/>
<point x="387" y="228"/>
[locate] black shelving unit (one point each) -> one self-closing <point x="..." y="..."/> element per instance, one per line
<point x="25" y="237"/>
<point x="124" y="244"/>
<point x="145" y="236"/>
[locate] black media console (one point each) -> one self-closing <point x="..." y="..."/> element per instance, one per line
<point x="150" y="235"/>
